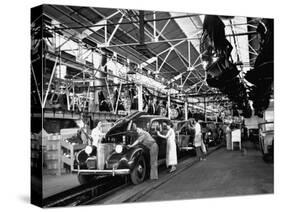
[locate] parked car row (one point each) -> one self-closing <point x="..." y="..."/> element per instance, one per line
<point x="113" y="157"/>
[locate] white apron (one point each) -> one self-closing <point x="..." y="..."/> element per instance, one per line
<point x="171" y="150"/>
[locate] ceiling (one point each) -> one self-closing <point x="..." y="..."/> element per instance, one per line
<point x="172" y="38"/>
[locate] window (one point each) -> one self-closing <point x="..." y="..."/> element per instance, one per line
<point x="155" y="126"/>
<point x="142" y="123"/>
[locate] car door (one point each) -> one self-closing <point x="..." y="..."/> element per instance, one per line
<point x="163" y="141"/>
<point x="156" y="125"/>
<point x="183" y="137"/>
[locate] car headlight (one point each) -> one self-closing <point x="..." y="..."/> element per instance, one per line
<point x="118" y="148"/>
<point x="88" y="149"/>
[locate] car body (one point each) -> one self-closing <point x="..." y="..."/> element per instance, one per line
<point x="266" y="139"/>
<point x="184" y="135"/>
<point x="210" y="133"/>
<point x="113" y="157"/>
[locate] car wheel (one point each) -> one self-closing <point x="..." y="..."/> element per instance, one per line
<point x="139" y="171"/>
<point x="84" y="179"/>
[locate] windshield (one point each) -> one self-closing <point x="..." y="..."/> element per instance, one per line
<point x="143" y="123"/>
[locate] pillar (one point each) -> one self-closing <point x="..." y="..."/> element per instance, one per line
<point x="185" y="110"/>
<point x="140" y="100"/>
<point x="169" y="105"/>
<point x="100" y="81"/>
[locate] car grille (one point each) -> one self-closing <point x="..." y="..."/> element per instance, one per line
<point x="92" y="163"/>
<point x="112" y="164"/>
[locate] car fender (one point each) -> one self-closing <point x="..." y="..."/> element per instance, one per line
<point x="127" y="158"/>
<point x="133" y="155"/>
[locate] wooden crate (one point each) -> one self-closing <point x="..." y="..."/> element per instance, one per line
<point x="36" y="152"/>
<point x="68" y="150"/>
<point x="51" y="154"/>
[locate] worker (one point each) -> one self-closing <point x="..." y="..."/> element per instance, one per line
<point x="198" y="141"/>
<point x="84" y="131"/>
<point x="146" y="139"/>
<point x="228" y="137"/>
<point x="171" y="147"/>
<point x="97" y="134"/>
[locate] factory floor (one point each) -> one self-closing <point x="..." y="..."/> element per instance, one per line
<point x="53" y="184"/>
<point x="224" y="173"/>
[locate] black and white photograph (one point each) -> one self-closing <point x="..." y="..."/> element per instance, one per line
<point x="140" y="106"/>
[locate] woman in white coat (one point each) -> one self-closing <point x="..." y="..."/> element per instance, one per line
<point x="171" y="150"/>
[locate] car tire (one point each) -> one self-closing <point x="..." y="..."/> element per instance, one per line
<point x="138" y="173"/>
<point x="85" y="179"/>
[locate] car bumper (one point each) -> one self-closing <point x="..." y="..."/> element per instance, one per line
<point x="111" y="172"/>
<point x="186" y="148"/>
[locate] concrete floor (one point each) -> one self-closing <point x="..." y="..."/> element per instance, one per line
<point x="55" y="184"/>
<point x="224" y="173"/>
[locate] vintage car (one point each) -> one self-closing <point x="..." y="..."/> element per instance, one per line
<point x="266" y="139"/>
<point x="112" y="155"/>
<point x="184" y="135"/>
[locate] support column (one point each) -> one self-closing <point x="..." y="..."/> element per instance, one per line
<point x="140" y="100"/>
<point x="185" y="110"/>
<point x="92" y="94"/>
<point x="99" y="82"/>
<point x="205" y="109"/>
<point x="169" y="105"/>
<point x="91" y="98"/>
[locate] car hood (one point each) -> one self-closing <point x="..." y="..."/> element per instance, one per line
<point x="121" y="124"/>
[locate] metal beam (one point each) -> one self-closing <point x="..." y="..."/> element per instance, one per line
<point x="99" y="45"/>
<point x="99" y="25"/>
<point x="117" y="101"/>
<point x="124" y="23"/>
<point x="36" y="84"/>
<point x="176" y="50"/>
<point x="165" y="59"/>
<point x="148" y="34"/>
<point x="115" y="29"/>
<point x="172" y="46"/>
<point x="50" y="82"/>
<point x="203" y="83"/>
<point x="187" y="67"/>
<point x="162" y="30"/>
<point x="154" y="26"/>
